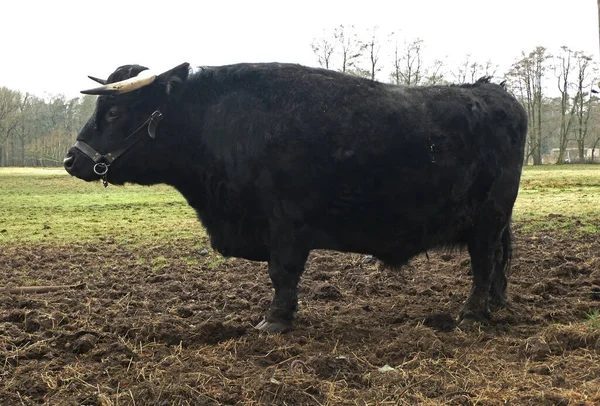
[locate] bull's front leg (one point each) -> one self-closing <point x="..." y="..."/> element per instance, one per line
<point x="286" y="266"/>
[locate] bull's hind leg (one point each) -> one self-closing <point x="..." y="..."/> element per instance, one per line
<point x="485" y="247"/>
<point x="286" y="266"/>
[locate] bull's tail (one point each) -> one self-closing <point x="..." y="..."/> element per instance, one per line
<point x="507" y="249"/>
<point x="502" y="269"/>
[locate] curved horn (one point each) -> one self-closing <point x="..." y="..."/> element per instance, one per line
<point x="101" y="81"/>
<point x="144" y="78"/>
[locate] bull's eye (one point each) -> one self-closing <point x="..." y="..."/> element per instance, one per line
<point x="112" y="114"/>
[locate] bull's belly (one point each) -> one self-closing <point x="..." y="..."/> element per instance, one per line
<point x="392" y="238"/>
<point x="395" y="243"/>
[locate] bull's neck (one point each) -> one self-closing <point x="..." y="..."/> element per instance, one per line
<point x="184" y="124"/>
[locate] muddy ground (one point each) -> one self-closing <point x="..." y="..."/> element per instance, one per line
<point x="165" y="325"/>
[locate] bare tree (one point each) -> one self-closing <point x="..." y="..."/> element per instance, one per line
<point x="594" y="129"/>
<point x="526" y="79"/>
<point x="323" y="48"/>
<point x="599" y="18"/>
<point x="408" y="64"/>
<point x="469" y="71"/>
<point x="434" y="74"/>
<point x="537" y="67"/>
<point x="350" y="47"/>
<point x="9" y="104"/>
<point x="26" y="125"/>
<point x="409" y="67"/>
<point x="462" y="71"/>
<point x="373" y="47"/>
<point x="563" y="68"/>
<point x="595" y="145"/>
<point x="395" y="76"/>
<point x="583" y="101"/>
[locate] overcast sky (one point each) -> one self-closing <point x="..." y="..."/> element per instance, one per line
<point x="49" y="47"/>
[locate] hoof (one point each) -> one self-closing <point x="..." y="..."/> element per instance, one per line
<point x="274" y="326"/>
<point x="369" y="260"/>
<point x="498" y="304"/>
<point x="469" y="318"/>
<point x="467" y="321"/>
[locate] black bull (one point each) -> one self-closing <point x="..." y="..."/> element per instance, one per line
<point x="280" y="159"/>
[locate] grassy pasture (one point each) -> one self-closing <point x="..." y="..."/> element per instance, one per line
<point x="48" y="205"/>
<point x="568" y="190"/>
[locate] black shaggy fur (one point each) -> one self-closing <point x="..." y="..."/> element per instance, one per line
<point x="280" y="159"/>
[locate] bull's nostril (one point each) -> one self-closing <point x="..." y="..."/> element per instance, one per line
<point x="68" y="161"/>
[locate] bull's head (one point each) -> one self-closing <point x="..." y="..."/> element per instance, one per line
<point x="122" y="132"/>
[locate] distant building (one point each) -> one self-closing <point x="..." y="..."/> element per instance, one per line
<point x="571" y="155"/>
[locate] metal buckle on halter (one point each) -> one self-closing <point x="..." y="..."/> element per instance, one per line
<point x="155" y="119"/>
<point x="101" y="169"/>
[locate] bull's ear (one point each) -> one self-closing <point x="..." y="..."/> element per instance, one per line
<point x="174" y="80"/>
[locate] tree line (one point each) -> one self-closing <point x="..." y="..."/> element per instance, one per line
<point x="556" y="89"/>
<point x="36" y="131"/>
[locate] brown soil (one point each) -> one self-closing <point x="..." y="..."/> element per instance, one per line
<point x="165" y="325"/>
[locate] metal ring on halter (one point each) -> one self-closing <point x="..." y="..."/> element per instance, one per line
<point x="101" y="169"/>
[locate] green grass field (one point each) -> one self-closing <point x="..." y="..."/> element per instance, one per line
<point x="571" y="190"/>
<point x="49" y="205"/>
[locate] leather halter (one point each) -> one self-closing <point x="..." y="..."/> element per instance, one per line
<point x="102" y="162"/>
